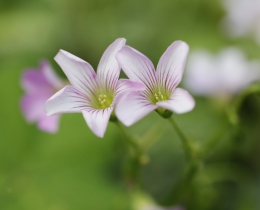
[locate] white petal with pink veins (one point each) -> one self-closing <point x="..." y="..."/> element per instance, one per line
<point x="80" y="73"/>
<point x="67" y="100"/>
<point x="171" y="65"/>
<point x="137" y="66"/>
<point x="126" y="85"/>
<point x="108" y="69"/>
<point x="180" y="102"/>
<point x="97" y="120"/>
<point x="132" y="107"/>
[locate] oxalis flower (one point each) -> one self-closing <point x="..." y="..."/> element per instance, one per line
<point x="160" y="93"/>
<point x="222" y="75"/>
<point x="40" y="84"/>
<point x="242" y="18"/>
<point x="95" y="95"/>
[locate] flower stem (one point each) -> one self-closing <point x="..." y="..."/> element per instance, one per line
<point x="128" y="137"/>
<point x="185" y="143"/>
<point x="133" y="161"/>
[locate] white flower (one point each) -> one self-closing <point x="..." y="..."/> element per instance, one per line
<point x="92" y="94"/>
<point x="161" y="90"/>
<point x="220" y="75"/>
<point x="243" y="18"/>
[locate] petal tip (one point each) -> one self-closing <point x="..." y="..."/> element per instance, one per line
<point x="123" y="40"/>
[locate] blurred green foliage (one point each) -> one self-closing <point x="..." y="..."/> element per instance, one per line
<point x="74" y="169"/>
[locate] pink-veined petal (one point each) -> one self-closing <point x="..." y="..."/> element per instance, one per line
<point x="50" y="75"/>
<point x="67" y="100"/>
<point x="34" y="80"/>
<point x="97" y="120"/>
<point x="133" y="107"/>
<point x="171" y="65"/>
<point x="126" y="85"/>
<point x="180" y="102"/>
<point x="137" y="66"/>
<point x="108" y="69"/>
<point x="80" y="73"/>
<point x="32" y="105"/>
<point x="49" y="124"/>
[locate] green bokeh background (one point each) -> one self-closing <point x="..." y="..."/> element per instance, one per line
<point x="74" y="169"/>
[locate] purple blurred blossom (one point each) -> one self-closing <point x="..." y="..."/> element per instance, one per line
<point x="39" y="84"/>
<point x="161" y="85"/>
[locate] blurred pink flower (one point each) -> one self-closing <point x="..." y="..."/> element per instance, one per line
<point x="39" y="84"/>
<point x="220" y="75"/>
<point x="95" y="95"/>
<point x="161" y="91"/>
<point x="243" y="18"/>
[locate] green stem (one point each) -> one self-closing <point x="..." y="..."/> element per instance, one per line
<point x="127" y="136"/>
<point x="184" y="185"/>
<point x="132" y="163"/>
<point x="185" y="143"/>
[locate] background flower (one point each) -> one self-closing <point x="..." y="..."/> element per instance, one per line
<point x="221" y="75"/>
<point x="39" y="84"/>
<point x="242" y="18"/>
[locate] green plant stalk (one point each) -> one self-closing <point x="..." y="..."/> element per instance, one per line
<point x="133" y="161"/>
<point x="128" y="137"/>
<point x="185" y="143"/>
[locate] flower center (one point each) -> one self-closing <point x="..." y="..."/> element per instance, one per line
<point x="159" y="95"/>
<point x="102" y="100"/>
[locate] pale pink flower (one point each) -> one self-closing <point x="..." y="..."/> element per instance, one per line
<point x="93" y="95"/>
<point x="220" y="75"/>
<point x="243" y="18"/>
<point x="39" y="84"/>
<point x="161" y="92"/>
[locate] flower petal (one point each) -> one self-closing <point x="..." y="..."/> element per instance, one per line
<point x="80" y="73"/>
<point x="108" y="69"/>
<point x="32" y="105"/>
<point x="33" y="80"/>
<point x="49" y="124"/>
<point x="171" y="65"/>
<point x="125" y="85"/>
<point x="137" y="66"/>
<point x="50" y="75"/>
<point x="97" y="120"/>
<point x="67" y="100"/>
<point x="180" y="102"/>
<point x="132" y="107"/>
